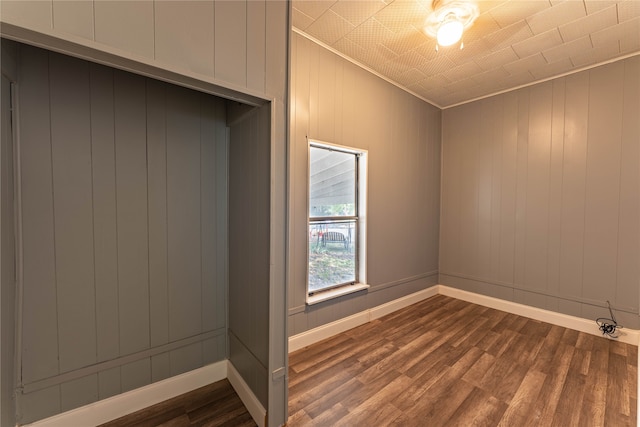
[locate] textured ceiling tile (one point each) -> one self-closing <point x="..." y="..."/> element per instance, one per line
<point x="392" y="69"/>
<point x="553" y="69"/>
<point x="329" y="28"/>
<point x="508" y="36"/>
<point x="370" y="33"/>
<point x="559" y="14"/>
<point x="487" y="78"/>
<point x="599" y="20"/>
<point x="300" y="20"/>
<point x="401" y="14"/>
<point x="356" y="12"/>
<point x="350" y="48"/>
<point x="525" y="64"/>
<point x="411" y="58"/>
<point x="565" y="50"/>
<point x="628" y="9"/>
<point x="485" y="24"/>
<point x="497" y="59"/>
<point x="462" y="56"/>
<point x="437" y="65"/>
<point x="537" y="43"/>
<point x="410" y="76"/>
<point x="596" y="5"/>
<point x="597" y="54"/>
<point x="435" y="81"/>
<point x="624" y="30"/>
<point x="515" y="80"/>
<point x="463" y="71"/>
<point x="514" y="11"/>
<point x="630" y="44"/>
<point x="313" y="8"/>
<point x="406" y="40"/>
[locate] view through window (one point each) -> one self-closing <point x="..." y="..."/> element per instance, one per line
<point x="333" y="218"/>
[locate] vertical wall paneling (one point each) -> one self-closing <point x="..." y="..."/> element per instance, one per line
<point x="104" y="212"/>
<point x="40" y="336"/>
<point x="36" y="13"/>
<point x="604" y="140"/>
<point x="256" y="45"/>
<point x="208" y="214"/>
<point x="230" y="38"/>
<point x="335" y="101"/>
<point x="236" y="49"/>
<point x="222" y="222"/>
<point x="131" y="190"/>
<point x="73" y="211"/>
<point x="249" y="261"/>
<point x="183" y="213"/>
<point x="628" y="267"/>
<point x="8" y="271"/>
<point x="126" y="185"/>
<point x="184" y="34"/>
<point x="73" y="17"/>
<point x="537" y="182"/>
<point x="573" y="184"/>
<point x="568" y="181"/>
<point x="126" y="25"/>
<point x="157" y="207"/>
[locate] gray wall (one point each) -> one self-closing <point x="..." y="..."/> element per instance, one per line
<point x="7" y="240"/>
<point x="236" y="49"/>
<point x="249" y="216"/>
<point x="123" y="231"/>
<point x="335" y="101"/>
<point x="540" y="194"/>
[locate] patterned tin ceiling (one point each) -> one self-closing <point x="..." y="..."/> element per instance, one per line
<point x="511" y="44"/>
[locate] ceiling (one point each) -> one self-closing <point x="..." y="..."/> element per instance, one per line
<point x="512" y="43"/>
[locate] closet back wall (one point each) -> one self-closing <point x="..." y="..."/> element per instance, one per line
<point x="123" y="281"/>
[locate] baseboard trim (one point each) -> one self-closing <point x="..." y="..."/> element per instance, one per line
<point x="304" y="339"/>
<point x="135" y="400"/>
<point x="251" y="402"/>
<point x="629" y="336"/>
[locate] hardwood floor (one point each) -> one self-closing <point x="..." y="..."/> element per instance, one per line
<point x="214" y="405"/>
<point x="448" y="362"/>
<point x="441" y="362"/>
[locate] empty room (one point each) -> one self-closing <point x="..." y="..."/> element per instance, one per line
<point x="320" y="212"/>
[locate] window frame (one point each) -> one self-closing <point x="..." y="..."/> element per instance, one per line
<point x="359" y="244"/>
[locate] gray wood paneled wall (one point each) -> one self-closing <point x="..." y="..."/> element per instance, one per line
<point x="541" y="194"/>
<point x="336" y="101"/>
<point x="123" y="189"/>
<point x="249" y="240"/>
<point x="8" y="269"/>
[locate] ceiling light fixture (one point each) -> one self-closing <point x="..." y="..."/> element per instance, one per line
<point x="449" y="19"/>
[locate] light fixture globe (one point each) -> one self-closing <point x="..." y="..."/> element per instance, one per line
<point x="449" y="32"/>
<point x="449" y="19"/>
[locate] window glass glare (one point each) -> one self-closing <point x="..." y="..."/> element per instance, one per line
<point x="332" y="188"/>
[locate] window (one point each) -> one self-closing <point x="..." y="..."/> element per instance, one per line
<point x="337" y="177"/>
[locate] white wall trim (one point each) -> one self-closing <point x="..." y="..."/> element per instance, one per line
<point x="629" y="336"/>
<point x="251" y="402"/>
<point x="135" y="400"/>
<point x="296" y="342"/>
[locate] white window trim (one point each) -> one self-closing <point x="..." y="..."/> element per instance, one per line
<point x="362" y="227"/>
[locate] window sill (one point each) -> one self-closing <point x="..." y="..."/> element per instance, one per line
<point x="335" y="293"/>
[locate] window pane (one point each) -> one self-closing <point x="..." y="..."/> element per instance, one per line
<point x="332" y="187"/>
<point x="332" y="254"/>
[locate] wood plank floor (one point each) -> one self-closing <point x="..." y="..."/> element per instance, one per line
<point x="441" y="362"/>
<point x="446" y="362"/>
<point x="215" y="405"/>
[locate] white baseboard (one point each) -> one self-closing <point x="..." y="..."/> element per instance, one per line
<point x="296" y="342"/>
<point x="629" y="336"/>
<point x="135" y="400"/>
<point x="251" y="402"/>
